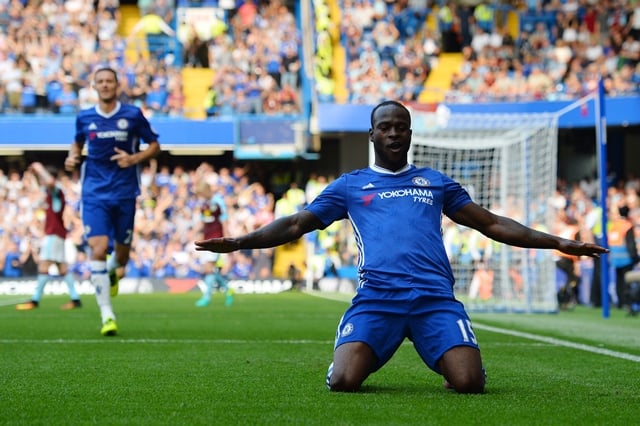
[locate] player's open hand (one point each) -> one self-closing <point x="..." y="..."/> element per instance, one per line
<point x="123" y="158"/>
<point x="579" y="248"/>
<point x="218" y="245"/>
<point x="71" y="162"/>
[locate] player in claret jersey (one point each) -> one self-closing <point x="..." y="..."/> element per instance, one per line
<point x="112" y="133"/>
<point x="405" y="281"/>
<point x="52" y="245"/>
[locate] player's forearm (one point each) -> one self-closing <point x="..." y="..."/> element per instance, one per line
<point x="75" y="150"/>
<point x="278" y="232"/>
<point x="508" y="231"/>
<point x="43" y="175"/>
<point x="152" y="151"/>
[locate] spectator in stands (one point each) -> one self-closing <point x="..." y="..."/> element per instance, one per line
<point x="137" y="93"/>
<point x="3" y="98"/>
<point x="289" y="101"/>
<point x="624" y="253"/>
<point x="630" y="51"/>
<point x="273" y="63"/>
<point x="157" y="32"/>
<point x="271" y="104"/>
<point x="164" y="9"/>
<point x="483" y="16"/>
<point x="211" y="102"/>
<point x="5" y="17"/>
<point x="362" y="13"/>
<point x="241" y="266"/>
<point x="291" y="64"/>
<point x="448" y="24"/>
<point x="386" y="36"/>
<point x="226" y="101"/>
<point x="244" y="18"/>
<point x="156" y="98"/>
<point x="195" y="51"/>
<point x="13" y="258"/>
<point x="12" y="79"/>
<point x="87" y="95"/>
<point x="67" y="100"/>
<point x="431" y="48"/>
<point x="409" y="18"/>
<point x="28" y="100"/>
<point x="176" y="100"/>
<point x="107" y="25"/>
<point x="220" y="51"/>
<point x="242" y="104"/>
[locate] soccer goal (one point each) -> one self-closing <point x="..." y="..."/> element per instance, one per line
<point x="508" y="163"/>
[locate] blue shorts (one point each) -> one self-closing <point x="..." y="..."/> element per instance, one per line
<point x="114" y="218"/>
<point x="384" y="318"/>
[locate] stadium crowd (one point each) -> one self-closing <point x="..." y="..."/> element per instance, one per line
<point x="558" y="52"/>
<point x="172" y="211"/>
<point x="561" y="48"/>
<point x="171" y="214"/>
<point x="48" y="50"/>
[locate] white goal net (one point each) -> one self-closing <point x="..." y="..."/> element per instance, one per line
<point x="507" y="162"/>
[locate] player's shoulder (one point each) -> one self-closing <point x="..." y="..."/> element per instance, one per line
<point x="425" y="170"/>
<point x="87" y="112"/>
<point x="126" y="107"/>
<point x="129" y="109"/>
<point x="358" y="172"/>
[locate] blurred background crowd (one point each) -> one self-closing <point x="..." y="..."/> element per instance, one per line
<point x="364" y="51"/>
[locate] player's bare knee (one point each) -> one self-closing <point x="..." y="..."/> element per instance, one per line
<point x="344" y="383"/>
<point x="468" y="383"/>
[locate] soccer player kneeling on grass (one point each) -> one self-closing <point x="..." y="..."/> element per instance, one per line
<point x="405" y="282"/>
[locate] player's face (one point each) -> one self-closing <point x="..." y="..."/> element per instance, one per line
<point x="391" y="137"/>
<point x="106" y="85"/>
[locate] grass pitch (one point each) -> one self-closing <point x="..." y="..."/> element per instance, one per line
<point x="264" y="359"/>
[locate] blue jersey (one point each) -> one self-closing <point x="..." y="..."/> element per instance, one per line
<point x="396" y="218"/>
<point x="125" y="127"/>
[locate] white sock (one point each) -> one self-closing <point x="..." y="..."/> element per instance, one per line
<point x="100" y="280"/>
<point x="111" y="262"/>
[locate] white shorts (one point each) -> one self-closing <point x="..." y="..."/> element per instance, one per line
<point x="53" y="249"/>
<point x="208" y="257"/>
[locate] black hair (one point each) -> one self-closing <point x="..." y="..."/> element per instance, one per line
<point x="115" y="74"/>
<point x="386" y="103"/>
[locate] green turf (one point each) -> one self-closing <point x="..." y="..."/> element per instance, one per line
<point x="263" y="361"/>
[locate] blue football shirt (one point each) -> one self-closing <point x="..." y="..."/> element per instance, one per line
<point x="125" y="127"/>
<point x="397" y="221"/>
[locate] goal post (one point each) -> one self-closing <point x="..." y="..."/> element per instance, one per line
<point x="508" y="164"/>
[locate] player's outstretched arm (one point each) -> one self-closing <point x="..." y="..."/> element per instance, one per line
<point x="509" y="231"/>
<point x="278" y="232"/>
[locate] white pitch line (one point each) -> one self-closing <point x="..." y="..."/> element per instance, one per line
<point x="559" y="342"/>
<point x="530" y="336"/>
<point x="164" y="341"/>
<point x="10" y="302"/>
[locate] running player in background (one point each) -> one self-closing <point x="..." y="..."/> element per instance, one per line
<point x="110" y="183"/>
<point x="405" y="281"/>
<point x="213" y="214"/>
<point x="52" y="248"/>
